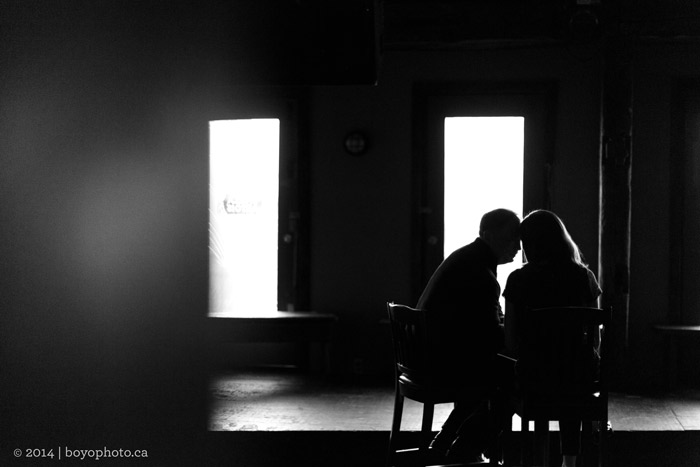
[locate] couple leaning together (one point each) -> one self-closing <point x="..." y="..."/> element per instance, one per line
<point x="462" y="304"/>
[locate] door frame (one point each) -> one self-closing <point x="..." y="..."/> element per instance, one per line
<point x="432" y="101"/>
<point x="682" y="198"/>
<point x="289" y="106"/>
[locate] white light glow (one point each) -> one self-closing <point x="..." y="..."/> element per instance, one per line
<point x="243" y="216"/>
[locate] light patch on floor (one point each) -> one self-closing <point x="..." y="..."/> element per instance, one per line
<point x="291" y="401"/>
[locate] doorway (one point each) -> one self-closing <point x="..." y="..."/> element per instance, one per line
<point x="258" y="213"/>
<point x="243" y="215"/>
<point x="478" y="148"/>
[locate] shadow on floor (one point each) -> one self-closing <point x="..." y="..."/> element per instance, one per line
<point x="261" y="419"/>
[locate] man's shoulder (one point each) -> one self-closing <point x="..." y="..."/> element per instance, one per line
<point x="472" y="250"/>
<point x="465" y="260"/>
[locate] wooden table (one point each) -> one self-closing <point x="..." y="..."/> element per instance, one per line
<point x="306" y="327"/>
<point x="672" y="334"/>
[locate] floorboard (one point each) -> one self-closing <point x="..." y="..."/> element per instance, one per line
<point x="269" y="419"/>
<point x="292" y="401"/>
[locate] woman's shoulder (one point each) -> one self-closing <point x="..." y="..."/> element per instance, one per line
<point x="520" y="280"/>
<point x="593" y="283"/>
<point x="553" y="273"/>
<point x="586" y="272"/>
<point x="577" y="268"/>
<point x="587" y="280"/>
<point x="521" y="273"/>
<point x="529" y="270"/>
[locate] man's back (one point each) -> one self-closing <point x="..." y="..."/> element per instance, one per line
<point x="462" y="304"/>
<point x="462" y="308"/>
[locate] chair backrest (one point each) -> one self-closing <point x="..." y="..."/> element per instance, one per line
<point x="562" y="349"/>
<point x="409" y="337"/>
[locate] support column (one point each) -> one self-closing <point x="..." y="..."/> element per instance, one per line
<point x="615" y="191"/>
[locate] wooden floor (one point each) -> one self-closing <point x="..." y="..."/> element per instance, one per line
<point x="263" y="418"/>
<point x="290" y="401"/>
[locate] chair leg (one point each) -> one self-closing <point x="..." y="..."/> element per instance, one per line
<point x="589" y="444"/>
<point x="542" y="442"/>
<point x="594" y="439"/>
<point x="426" y="430"/>
<point x="499" y="429"/>
<point x="525" y="447"/>
<point x="602" y="442"/>
<point x="504" y="441"/>
<point x="395" y="428"/>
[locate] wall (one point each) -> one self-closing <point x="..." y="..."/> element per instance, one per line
<point x="657" y="68"/>
<point x="103" y="201"/>
<point x="361" y="206"/>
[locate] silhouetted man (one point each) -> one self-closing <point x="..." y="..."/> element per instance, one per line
<point x="466" y="329"/>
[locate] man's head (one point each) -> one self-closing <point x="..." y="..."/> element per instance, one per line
<point x="500" y="230"/>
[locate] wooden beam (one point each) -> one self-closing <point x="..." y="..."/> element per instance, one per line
<point x="615" y="186"/>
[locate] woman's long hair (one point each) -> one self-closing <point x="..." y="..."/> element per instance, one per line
<point x="545" y="238"/>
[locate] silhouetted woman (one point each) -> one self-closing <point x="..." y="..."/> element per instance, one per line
<point x="554" y="275"/>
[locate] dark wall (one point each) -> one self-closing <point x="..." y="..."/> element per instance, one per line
<point x="658" y="70"/>
<point x="103" y="196"/>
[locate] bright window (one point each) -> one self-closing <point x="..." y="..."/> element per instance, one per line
<point x="243" y="216"/>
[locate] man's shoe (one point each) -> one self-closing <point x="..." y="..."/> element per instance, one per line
<point x="607" y="431"/>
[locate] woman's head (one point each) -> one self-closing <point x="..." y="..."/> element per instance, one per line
<point x="545" y="238"/>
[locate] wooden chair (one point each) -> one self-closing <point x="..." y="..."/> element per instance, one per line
<point x="559" y="342"/>
<point x="413" y="381"/>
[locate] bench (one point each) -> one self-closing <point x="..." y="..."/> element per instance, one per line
<point x="310" y="328"/>
<point x="672" y="333"/>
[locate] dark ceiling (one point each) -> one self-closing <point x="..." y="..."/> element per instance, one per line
<point x="453" y="23"/>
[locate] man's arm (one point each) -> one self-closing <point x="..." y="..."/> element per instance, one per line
<point x="511" y="330"/>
